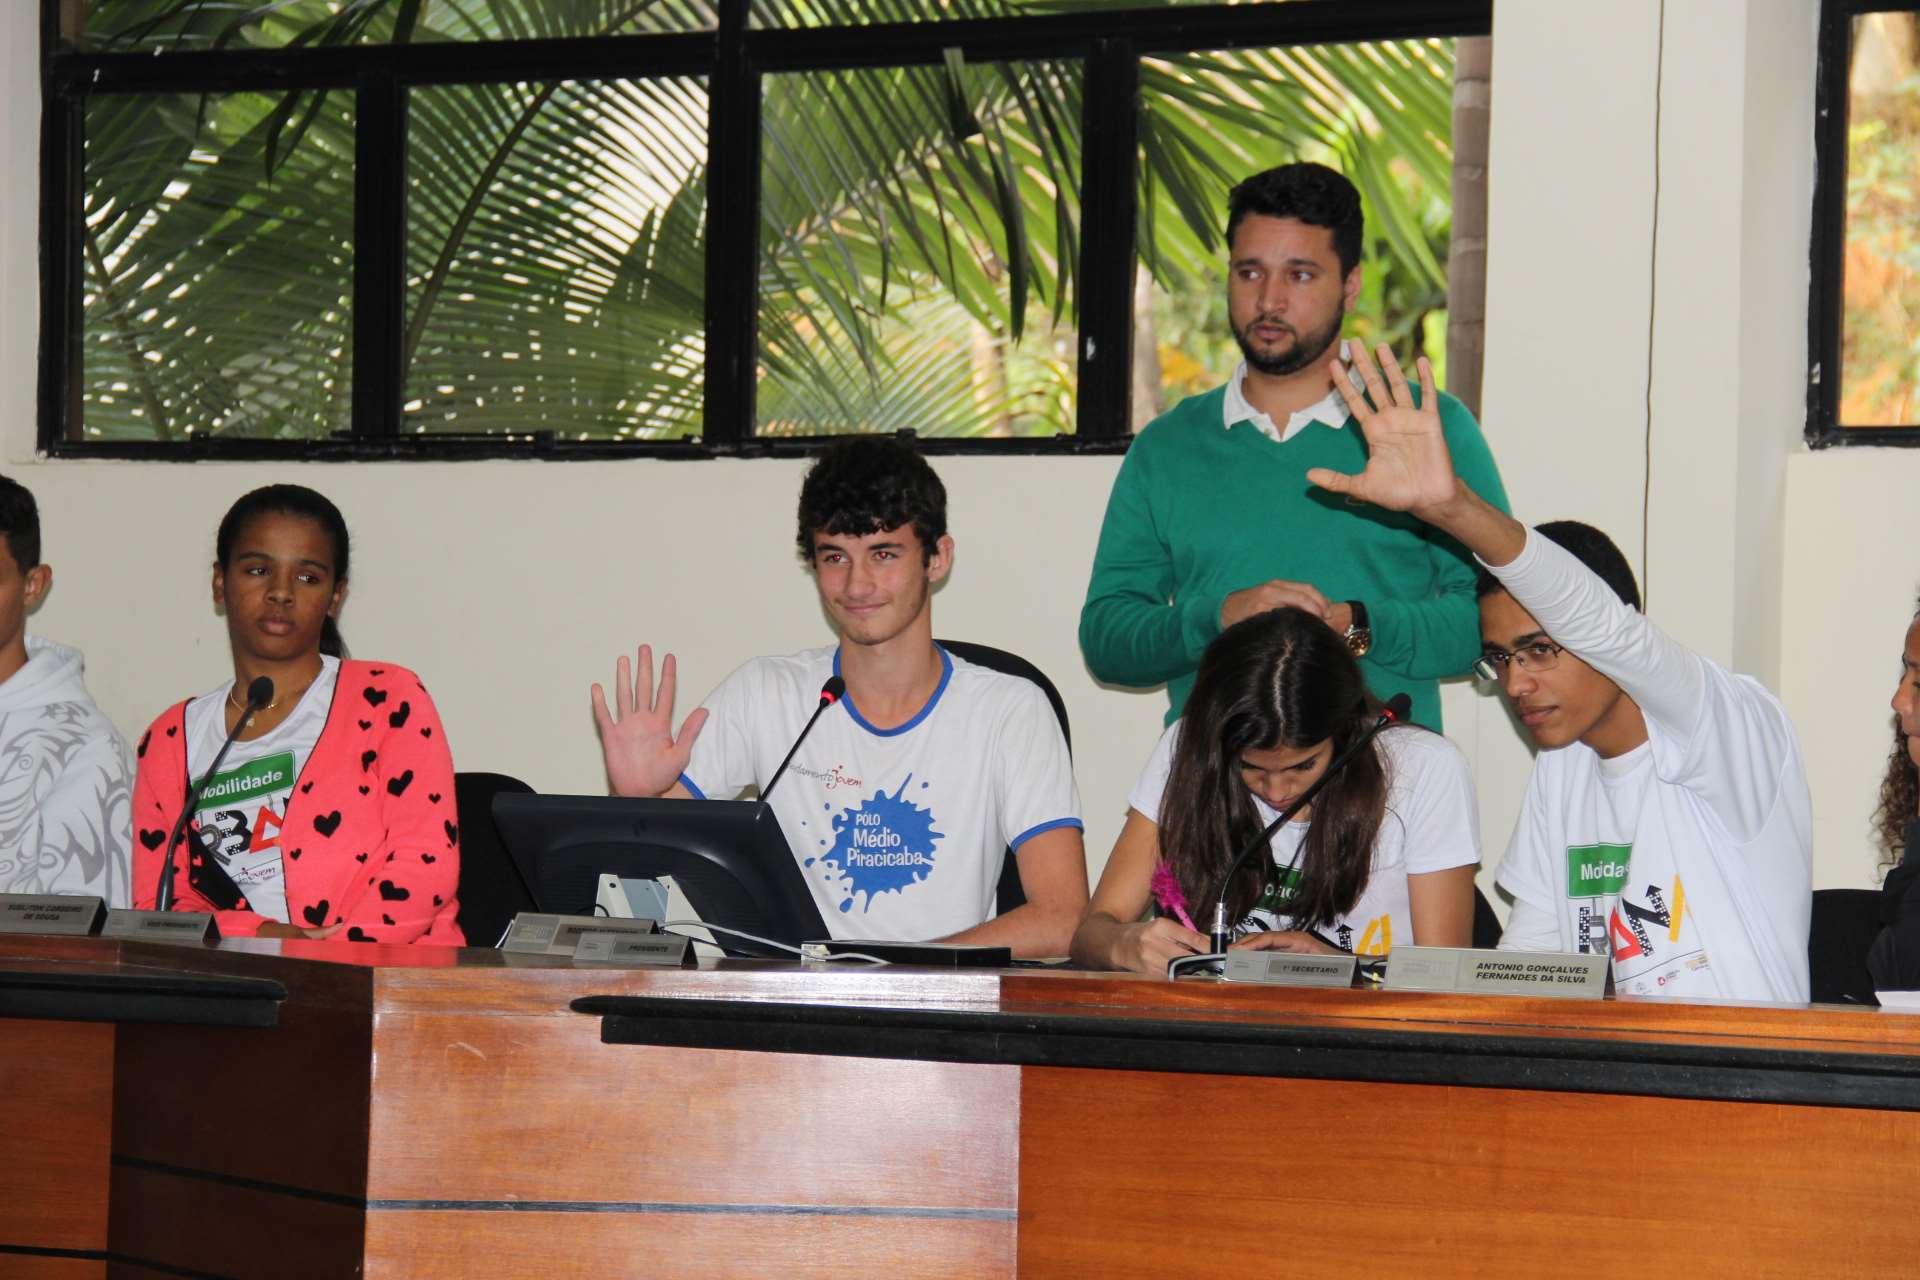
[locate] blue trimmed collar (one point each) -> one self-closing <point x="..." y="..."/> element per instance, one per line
<point x="946" y="674"/>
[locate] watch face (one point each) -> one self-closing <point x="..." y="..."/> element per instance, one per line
<point x="1359" y="641"/>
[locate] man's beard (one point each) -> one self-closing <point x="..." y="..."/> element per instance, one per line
<point x="1307" y="348"/>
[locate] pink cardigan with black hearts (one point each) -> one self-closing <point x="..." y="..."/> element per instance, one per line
<point x="370" y="839"/>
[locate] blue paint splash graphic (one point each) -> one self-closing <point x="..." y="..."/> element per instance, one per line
<point x="882" y="845"/>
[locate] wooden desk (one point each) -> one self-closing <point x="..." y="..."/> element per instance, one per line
<point x="462" y="1119"/>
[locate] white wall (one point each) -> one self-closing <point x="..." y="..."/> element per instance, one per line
<point x="1646" y="338"/>
<point x="1851" y="570"/>
<point x="512" y="585"/>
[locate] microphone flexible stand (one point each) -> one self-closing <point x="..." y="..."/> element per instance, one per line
<point x="259" y="694"/>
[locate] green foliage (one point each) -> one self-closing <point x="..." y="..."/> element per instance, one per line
<point x="919" y="225"/>
<point x="217" y="296"/>
<point x="1880" y="330"/>
<point x="1381" y="113"/>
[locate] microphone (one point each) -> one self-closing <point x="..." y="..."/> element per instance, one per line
<point x="1222" y="929"/>
<point x="830" y="693"/>
<point x="259" y="694"/>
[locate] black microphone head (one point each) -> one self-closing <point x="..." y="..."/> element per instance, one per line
<point x="1398" y="707"/>
<point x="259" y="693"/>
<point x="833" y="690"/>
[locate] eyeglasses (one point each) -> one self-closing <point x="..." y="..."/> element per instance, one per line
<point x="1538" y="656"/>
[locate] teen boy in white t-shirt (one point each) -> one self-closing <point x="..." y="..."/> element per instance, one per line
<point x="1668" y="822"/>
<point x="904" y="798"/>
<point x="66" y="776"/>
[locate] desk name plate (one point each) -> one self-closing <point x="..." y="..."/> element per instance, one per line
<point x="600" y="947"/>
<point x="1506" y="973"/>
<point x="64" y="913"/>
<point x="1289" y="969"/>
<point x="161" y="926"/>
<point x="543" y="934"/>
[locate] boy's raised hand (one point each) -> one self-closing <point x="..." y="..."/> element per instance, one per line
<point x="1409" y="467"/>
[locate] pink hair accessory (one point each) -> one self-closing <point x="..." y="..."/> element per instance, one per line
<point x="1167" y="893"/>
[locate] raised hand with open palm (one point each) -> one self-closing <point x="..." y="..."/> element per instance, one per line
<point x="1409" y="467"/>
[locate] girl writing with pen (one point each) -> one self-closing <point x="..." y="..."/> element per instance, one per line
<point x="1385" y="853"/>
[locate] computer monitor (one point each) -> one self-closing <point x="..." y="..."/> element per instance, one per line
<point x="728" y="856"/>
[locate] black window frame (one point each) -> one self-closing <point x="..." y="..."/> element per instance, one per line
<point x="1826" y="304"/>
<point x="732" y="58"/>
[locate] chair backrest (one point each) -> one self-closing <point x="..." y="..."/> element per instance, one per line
<point x="1845" y="923"/>
<point x="1012" y="664"/>
<point x="1009" y="894"/>
<point x="491" y="890"/>
<point x="1486" y="925"/>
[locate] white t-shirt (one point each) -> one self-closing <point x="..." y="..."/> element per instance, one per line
<point x="902" y="832"/>
<point x="242" y="807"/>
<point x="1431" y="824"/>
<point x="1689" y="858"/>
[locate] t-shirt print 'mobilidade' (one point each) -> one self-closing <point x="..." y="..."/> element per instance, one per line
<point x="1638" y="916"/>
<point x="242" y="807"/>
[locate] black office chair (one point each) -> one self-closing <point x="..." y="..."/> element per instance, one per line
<point x="491" y="890"/>
<point x="1486" y="925"/>
<point x="1009" y="894"/>
<point x="1845" y="923"/>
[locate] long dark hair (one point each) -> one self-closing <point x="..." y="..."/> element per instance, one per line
<point x="1279" y="679"/>
<point x="291" y="500"/>
<point x="1899" y="796"/>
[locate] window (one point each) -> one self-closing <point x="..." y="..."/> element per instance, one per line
<point x="690" y="228"/>
<point x="1865" y="312"/>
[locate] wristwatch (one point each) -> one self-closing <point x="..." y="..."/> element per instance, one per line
<point x="1359" y="630"/>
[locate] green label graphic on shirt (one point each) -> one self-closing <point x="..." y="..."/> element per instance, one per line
<point x="256" y="778"/>
<point x="1279" y="892"/>
<point x="1596" y="870"/>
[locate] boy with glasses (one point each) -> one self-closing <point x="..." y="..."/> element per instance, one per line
<point x="1668" y="822"/>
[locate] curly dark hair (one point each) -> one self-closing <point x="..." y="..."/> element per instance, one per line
<point x="1277" y="679"/>
<point x="1899" y="797"/>
<point x="868" y="484"/>
<point x="1312" y="193"/>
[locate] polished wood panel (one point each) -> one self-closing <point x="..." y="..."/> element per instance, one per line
<point x="481" y="1106"/>
<point x="415" y="1076"/>
<point x="56" y="1110"/>
<point x="1806" y="1028"/>
<point x="1441" y="1181"/>
<point x="547" y="984"/>
<point x="17" y="1266"/>
<point x="460" y="1246"/>
<point x="204" y="1227"/>
<point x="281" y="1105"/>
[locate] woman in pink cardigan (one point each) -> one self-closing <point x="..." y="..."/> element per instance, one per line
<point x="333" y="815"/>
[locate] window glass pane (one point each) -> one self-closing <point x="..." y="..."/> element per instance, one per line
<point x="1880" y="328"/>
<point x="920" y="231"/>
<point x="179" y="25"/>
<point x="556" y="259"/>
<point x="217" y="266"/>
<point x="1379" y="112"/>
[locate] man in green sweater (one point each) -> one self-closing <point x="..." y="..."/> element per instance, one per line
<point x="1211" y="518"/>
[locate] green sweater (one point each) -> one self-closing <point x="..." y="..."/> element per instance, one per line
<point x="1199" y="511"/>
